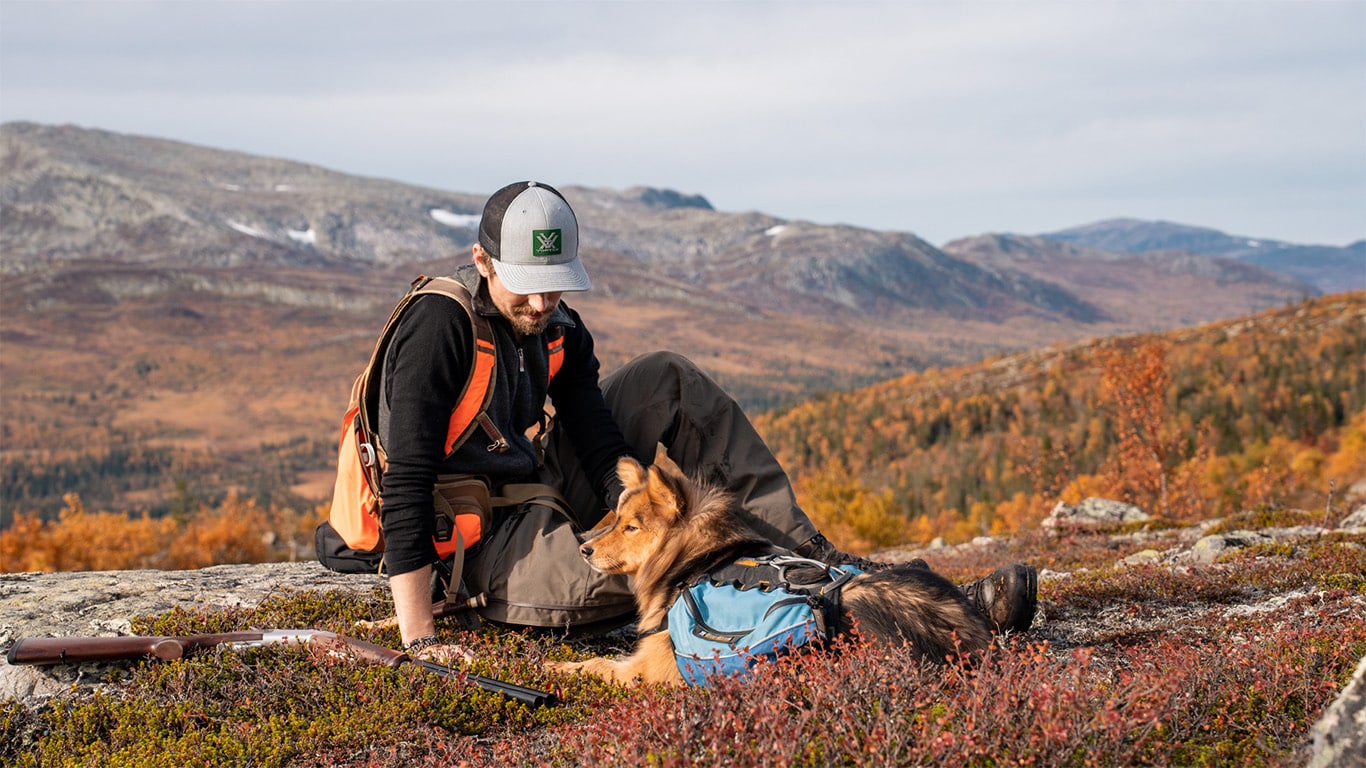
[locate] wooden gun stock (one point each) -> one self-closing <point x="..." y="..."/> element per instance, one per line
<point x="74" y="650"/>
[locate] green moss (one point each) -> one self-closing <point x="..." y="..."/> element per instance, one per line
<point x="1266" y="517"/>
<point x="1352" y="582"/>
<point x="1285" y="549"/>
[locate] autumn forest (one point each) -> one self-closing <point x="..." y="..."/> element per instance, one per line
<point x="1262" y="411"/>
<point x="1259" y="412"/>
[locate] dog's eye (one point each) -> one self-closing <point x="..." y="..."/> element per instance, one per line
<point x="628" y="528"/>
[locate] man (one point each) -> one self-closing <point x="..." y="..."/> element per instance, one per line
<point x="528" y="566"/>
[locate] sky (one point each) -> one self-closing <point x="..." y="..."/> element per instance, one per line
<point x="946" y="119"/>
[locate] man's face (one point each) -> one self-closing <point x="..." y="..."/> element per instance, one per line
<point x="528" y="314"/>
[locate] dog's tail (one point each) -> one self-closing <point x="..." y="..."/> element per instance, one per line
<point x="908" y="604"/>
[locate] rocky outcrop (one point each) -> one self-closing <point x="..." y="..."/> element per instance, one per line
<point x="1355" y="521"/>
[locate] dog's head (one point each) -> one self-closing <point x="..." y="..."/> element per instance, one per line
<point x="652" y="504"/>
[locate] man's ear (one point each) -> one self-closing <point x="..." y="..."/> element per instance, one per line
<point x="630" y="472"/>
<point x="477" y="251"/>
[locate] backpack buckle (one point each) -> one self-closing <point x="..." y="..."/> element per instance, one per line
<point x="367" y="454"/>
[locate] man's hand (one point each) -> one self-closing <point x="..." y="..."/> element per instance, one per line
<point x="445" y="655"/>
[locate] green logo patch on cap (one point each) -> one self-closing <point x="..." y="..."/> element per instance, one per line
<point x="546" y="242"/>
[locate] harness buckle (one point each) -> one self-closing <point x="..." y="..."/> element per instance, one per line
<point x="829" y="577"/>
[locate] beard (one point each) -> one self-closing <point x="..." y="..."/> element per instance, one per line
<point x="527" y="322"/>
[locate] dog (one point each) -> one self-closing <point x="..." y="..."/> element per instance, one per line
<point x="667" y="529"/>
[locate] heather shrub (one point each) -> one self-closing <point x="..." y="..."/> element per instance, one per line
<point x="1230" y="683"/>
<point x="1224" y="663"/>
<point x="865" y="706"/>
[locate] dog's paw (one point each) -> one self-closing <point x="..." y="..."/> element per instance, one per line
<point x="564" y="667"/>
<point x="600" y="667"/>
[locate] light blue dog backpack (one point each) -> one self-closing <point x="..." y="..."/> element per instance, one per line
<point x="726" y="620"/>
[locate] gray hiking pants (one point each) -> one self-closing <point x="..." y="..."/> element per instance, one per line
<point x="529" y="566"/>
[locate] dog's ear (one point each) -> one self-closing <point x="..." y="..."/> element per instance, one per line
<point x="630" y="472"/>
<point x="665" y="463"/>
<point x="666" y="493"/>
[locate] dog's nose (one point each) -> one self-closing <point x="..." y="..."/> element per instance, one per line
<point x="586" y="551"/>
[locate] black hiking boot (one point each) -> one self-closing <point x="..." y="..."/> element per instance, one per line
<point x="1007" y="597"/>
<point x="819" y="548"/>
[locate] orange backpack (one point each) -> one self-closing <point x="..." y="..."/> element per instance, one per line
<point x="361" y="461"/>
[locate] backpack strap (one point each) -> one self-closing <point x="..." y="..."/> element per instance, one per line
<point x="365" y="395"/>
<point x="471" y="408"/>
<point x="474" y="398"/>
<point x="517" y="494"/>
<point x="554" y="348"/>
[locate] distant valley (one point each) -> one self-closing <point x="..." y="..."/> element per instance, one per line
<point x="176" y="321"/>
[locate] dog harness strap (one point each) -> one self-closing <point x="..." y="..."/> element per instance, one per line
<point x="663" y="627"/>
<point x="777" y="570"/>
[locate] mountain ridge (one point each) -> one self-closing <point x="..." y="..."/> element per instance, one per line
<point x="216" y="305"/>
<point x="1330" y="269"/>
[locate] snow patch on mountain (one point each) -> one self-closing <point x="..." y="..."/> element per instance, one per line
<point x="247" y="229"/>
<point x="456" y="220"/>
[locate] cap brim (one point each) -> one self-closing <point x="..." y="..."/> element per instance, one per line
<point x="525" y="280"/>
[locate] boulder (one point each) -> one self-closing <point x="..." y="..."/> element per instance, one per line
<point x="1142" y="557"/>
<point x="1094" y="513"/>
<point x="1209" y="548"/>
<point x="1355" y="521"/>
<point x="1340" y="735"/>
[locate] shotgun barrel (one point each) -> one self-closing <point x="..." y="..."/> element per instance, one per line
<point x="73" y="650"/>
<point x="389" y="657"/>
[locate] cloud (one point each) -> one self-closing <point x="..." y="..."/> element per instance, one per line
<point x="947" y="119"/>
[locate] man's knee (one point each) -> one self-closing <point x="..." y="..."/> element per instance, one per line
<point x="660" y="364"/>
<point x="654" y="376"/>
<point x="649" y="394"/>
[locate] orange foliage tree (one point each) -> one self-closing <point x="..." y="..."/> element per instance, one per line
<point x="1348" y="462"/>
<point x="236" y="531"/>
<point x="1134" y="384"/>
<point x="853" y="516"/>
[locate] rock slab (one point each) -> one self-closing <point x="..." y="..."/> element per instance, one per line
<point x="103" y="603"/>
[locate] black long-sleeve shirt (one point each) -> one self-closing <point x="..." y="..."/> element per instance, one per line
<point x="426" y="367"/>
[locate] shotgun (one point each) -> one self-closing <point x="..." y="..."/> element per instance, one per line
<point x="71" y="650"/>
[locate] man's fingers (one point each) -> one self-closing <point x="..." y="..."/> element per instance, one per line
<point x="446" y="654"/>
